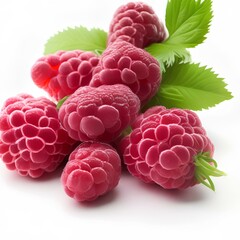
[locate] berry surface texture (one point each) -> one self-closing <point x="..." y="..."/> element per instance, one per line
<point x="126" y="100"/>
<point x="93" y="170"/>
<point x="99" y="113"/>
<point x="119" y="120"/>
<point x="32" y="140"/>
<point x="163" y="145"/>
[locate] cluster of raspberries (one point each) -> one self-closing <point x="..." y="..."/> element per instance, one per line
<point x="101" y="98"/>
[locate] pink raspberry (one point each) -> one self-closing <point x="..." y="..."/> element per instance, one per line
<point x="136" y="23"/>
<point x="170" y="148"/>
<point x="32" y="140"/>
<point x="93" y="170"/>
<point x="99" y="114"/>
<point x="123" y="63"/>
<point x="60" y="74"/>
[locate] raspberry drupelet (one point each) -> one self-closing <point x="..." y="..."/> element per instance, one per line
<point x="32" y="140"/>
<point x="93" y="170"/>
<point x="123" y="63"/>
<point x="62" y="73"/>
<point x="136" y="23"/>
<point x="99" y="114"/>
<point x="170" y="147"/>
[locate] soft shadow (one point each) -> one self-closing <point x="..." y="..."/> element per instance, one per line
<point x="192" y="194"/>
<point x="14" y="177"/>
<point x="51" y="176"/>
<point x="101" y="201"/>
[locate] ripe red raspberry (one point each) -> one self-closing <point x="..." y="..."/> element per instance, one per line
<point x="93" y="170"/>
<point x="32" y="140"/>
<point x="136" y="23"/>
<point x="123" y="63"/>
<point x="60" y="74"/>
<point x="99" y="114"/>
<point x="170" y="148"/>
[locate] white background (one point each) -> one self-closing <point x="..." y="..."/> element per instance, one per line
<point x="39" y="209"/>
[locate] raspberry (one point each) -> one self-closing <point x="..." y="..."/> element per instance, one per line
<point x="60" y="74"/>
<point x="32" y="140"/>
<point x="136" y="23"/>
<point x="93" y="170"/>
<point x="123" y="63"/>
<point x="169" y="147"/>
<point x="99" y="114"/>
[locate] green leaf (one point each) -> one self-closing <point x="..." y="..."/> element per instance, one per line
<point x="190" y="86"/>
<point x="167" y="54"/>
<point x="188" y="21"/>
<point x="61" y="101"/>
<point x="81" y="38"/>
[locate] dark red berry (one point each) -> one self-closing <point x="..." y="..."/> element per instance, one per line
<point x="137" y="24"/>
<point x="62" y="73"/>
<point x="93" y="170"/>
<point x="123" y="63"/>
<point x="99" y="114"/>
<point x="32" y="140"/>
<point x="170" y="148"/>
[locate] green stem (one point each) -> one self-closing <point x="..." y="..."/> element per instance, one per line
<point x="127" y="131"/>
<point x="60" y="103"/>
<point x="98" y="51"/>
<point x="202" y="177"/>
<point x="209" y="160"/>
<point x="205" y="168"/>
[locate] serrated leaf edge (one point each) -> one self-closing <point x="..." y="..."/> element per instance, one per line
<point x="46" y="52"/>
